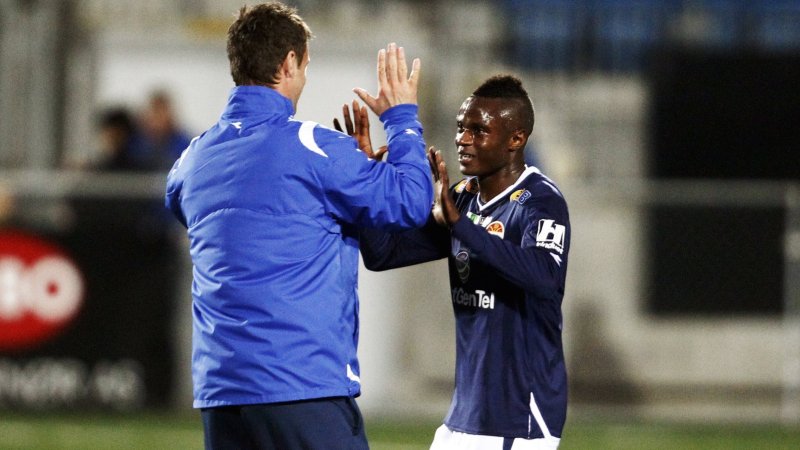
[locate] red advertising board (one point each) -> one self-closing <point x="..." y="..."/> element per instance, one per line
<point x="41" y="290"/>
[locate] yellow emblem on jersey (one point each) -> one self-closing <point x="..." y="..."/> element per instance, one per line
<point x="460" y="186"/>
<point x="520" y="196"/>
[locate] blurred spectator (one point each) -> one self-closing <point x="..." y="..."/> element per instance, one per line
<point x="117" y="141"/>
<point x="162" y="139"/>
<point x="121" y="148"/>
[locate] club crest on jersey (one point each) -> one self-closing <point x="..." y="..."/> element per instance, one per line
<point x="550" y="235"/>
<point x="462" y="265"/>
<point x="520" y="196"/>
<point x="496" y="228"/>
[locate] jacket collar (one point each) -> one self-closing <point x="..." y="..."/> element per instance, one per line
<point x="256" y="100"/>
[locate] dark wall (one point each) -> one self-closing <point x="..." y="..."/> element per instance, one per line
<point x="722" y="116"/>
<point x="725" y="115"/>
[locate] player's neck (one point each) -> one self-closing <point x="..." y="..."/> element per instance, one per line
<point x="492" y="185"/>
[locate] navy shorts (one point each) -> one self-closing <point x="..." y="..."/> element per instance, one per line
<point x="324" y="424"/>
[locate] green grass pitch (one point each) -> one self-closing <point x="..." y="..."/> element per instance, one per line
<point x="183" y="431"/>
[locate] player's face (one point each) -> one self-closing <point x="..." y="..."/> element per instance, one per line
<point x="483" y="137"/>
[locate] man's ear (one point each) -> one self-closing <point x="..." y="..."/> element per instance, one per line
<point x="289" y="66"/>
<point x="517" y="141"/>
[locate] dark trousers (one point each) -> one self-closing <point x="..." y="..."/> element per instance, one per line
<point x="320" y="424"/>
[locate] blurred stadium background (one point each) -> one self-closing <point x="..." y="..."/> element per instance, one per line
<point x="671" y="127"/>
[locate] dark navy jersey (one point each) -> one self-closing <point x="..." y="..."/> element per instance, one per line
<point x="508" y="264"/>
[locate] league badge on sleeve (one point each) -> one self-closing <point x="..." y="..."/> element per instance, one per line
<point x="550" y="235"/>
<point x="496" y="228"/>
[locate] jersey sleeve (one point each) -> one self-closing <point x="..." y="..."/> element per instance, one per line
<point x="539" y="262"/>
<point x="391" y="196"/>
<point x="383" y="251"/>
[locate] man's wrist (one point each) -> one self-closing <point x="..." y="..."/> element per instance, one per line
<point x="399" y="111"/>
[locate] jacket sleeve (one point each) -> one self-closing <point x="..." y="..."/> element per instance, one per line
<point x="383" y="251"/>
<point x="172" y="197"/>
<point x="539" y="263"/>
<point x="391" y="196"/>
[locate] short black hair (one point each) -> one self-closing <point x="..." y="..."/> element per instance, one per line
<point x="260" y="39"/>
<point x="510" y="87"/>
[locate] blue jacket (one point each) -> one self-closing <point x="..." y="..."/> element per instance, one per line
<point x="272" y="206"/>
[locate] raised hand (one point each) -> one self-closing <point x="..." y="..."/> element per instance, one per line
<point x="444" y="210"/>
<point x="361" y="130"/>
<point x="395" y="85"/>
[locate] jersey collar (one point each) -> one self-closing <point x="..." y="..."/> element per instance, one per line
<point x="256" y="100"/>
<point x="507" y="191"/>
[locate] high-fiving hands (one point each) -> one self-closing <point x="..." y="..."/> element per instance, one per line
<point x="361" y="129"/>
<point x="444" y="210"/>
<point x="395" y="85"/>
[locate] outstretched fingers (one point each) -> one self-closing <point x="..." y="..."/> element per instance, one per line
<point x="402" y="68"/>
<point x="391" y="65"/>
<point x="448" y="210"/>
<point x="441" y="169"/>
<point x="443" y="175"/>
<point x="444" y="210"/>
<point x="374" y="102"/>
<point x="382" y="81"/>
<point x="357" y="128"/>
<point x="368" y="100"/>
<point x="348" y="123"/>
<point x="395" y="85"/>
<point x="432" y="162"/>
<point x="413" y="79"/>
<point x="362" y="119"/>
